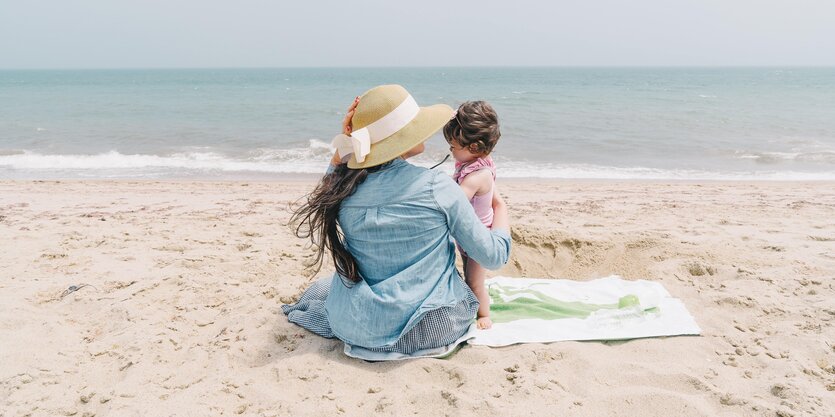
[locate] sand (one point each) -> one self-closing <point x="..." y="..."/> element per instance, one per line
<point x="182" y="283"/>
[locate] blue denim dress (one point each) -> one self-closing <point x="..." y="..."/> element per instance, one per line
<point x="399" y="225"/>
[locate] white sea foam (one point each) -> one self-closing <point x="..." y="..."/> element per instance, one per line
<point x="314" y="158"/>
<point x="824" y="156"/>
<point x="311" y="159"/>
<point x="582" y="171"/>
<point x="188" y="161"/>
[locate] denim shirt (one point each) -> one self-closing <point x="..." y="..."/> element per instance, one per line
<point x="399" y="225"/>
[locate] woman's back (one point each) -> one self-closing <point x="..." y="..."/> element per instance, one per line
<point x="392" y="222"/>
<point x="399" y="225"/>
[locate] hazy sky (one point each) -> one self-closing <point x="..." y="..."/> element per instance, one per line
<point x="278" y="33"/>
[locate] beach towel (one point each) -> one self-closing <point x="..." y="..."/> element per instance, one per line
<point x="535" y="310"/>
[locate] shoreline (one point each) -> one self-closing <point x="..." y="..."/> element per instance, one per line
<point x="312" y="178"/>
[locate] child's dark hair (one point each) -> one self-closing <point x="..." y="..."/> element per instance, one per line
<point x="475" y="126"/>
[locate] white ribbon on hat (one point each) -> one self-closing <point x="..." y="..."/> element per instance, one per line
<point x="359" y="142"/>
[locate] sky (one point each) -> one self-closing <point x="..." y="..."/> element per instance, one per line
<point x="64" y="34"/>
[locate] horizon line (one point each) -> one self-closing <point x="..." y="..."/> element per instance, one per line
<point x="421" y="67"/>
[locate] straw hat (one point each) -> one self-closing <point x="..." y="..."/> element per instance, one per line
<point x="388" y="119"/>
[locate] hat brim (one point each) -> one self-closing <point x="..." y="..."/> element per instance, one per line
<point x="429" y="120"/>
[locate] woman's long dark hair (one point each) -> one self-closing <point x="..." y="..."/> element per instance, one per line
<point x="317" y="218"/>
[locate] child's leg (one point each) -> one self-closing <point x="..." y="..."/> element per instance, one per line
<point x="475" y="275"/>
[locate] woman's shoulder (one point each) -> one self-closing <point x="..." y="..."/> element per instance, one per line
<point x="423" y="180"/>
<point x="395" y="184"/>
<point x="408" y="173"/>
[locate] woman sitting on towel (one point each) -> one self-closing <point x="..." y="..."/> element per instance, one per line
<point x="389" y="227"/>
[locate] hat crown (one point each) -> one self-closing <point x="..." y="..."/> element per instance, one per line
<point x="376" y="103"/>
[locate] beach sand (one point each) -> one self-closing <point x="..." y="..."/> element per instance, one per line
<point x="181" y="315"/>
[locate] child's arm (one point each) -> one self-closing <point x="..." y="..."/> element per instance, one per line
<point x="477" y="183"/>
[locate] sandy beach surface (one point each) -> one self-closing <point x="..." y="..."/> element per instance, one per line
<point x="180" y="283"/>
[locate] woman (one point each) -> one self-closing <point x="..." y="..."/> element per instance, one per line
<point x="389" y="227"/>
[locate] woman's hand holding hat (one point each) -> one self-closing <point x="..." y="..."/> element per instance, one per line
<point x="346" y="122"/>
<point x="346" y="128"/>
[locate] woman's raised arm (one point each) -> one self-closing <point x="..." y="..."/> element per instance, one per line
<point x="346" y="128"/>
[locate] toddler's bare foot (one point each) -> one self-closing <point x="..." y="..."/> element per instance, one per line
<point x="484" y="323"/>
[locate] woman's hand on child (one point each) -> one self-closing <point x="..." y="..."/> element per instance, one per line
<point x="500" y="218"/>
<point x="498" y="201"/>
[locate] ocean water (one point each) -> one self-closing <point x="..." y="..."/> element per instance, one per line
<point x="643" y="123"/>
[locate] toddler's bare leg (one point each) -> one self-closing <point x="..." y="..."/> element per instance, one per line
<point x="475" y="275"/>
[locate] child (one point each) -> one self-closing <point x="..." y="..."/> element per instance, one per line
<point x="471" y="135"/>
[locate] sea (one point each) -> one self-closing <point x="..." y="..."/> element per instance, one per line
<point x="556" y="122"/>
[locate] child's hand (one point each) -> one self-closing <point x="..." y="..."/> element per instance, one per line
<point x="484" y="323"/>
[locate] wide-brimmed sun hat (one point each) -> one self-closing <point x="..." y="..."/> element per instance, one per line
<point x="386" y="123"/>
